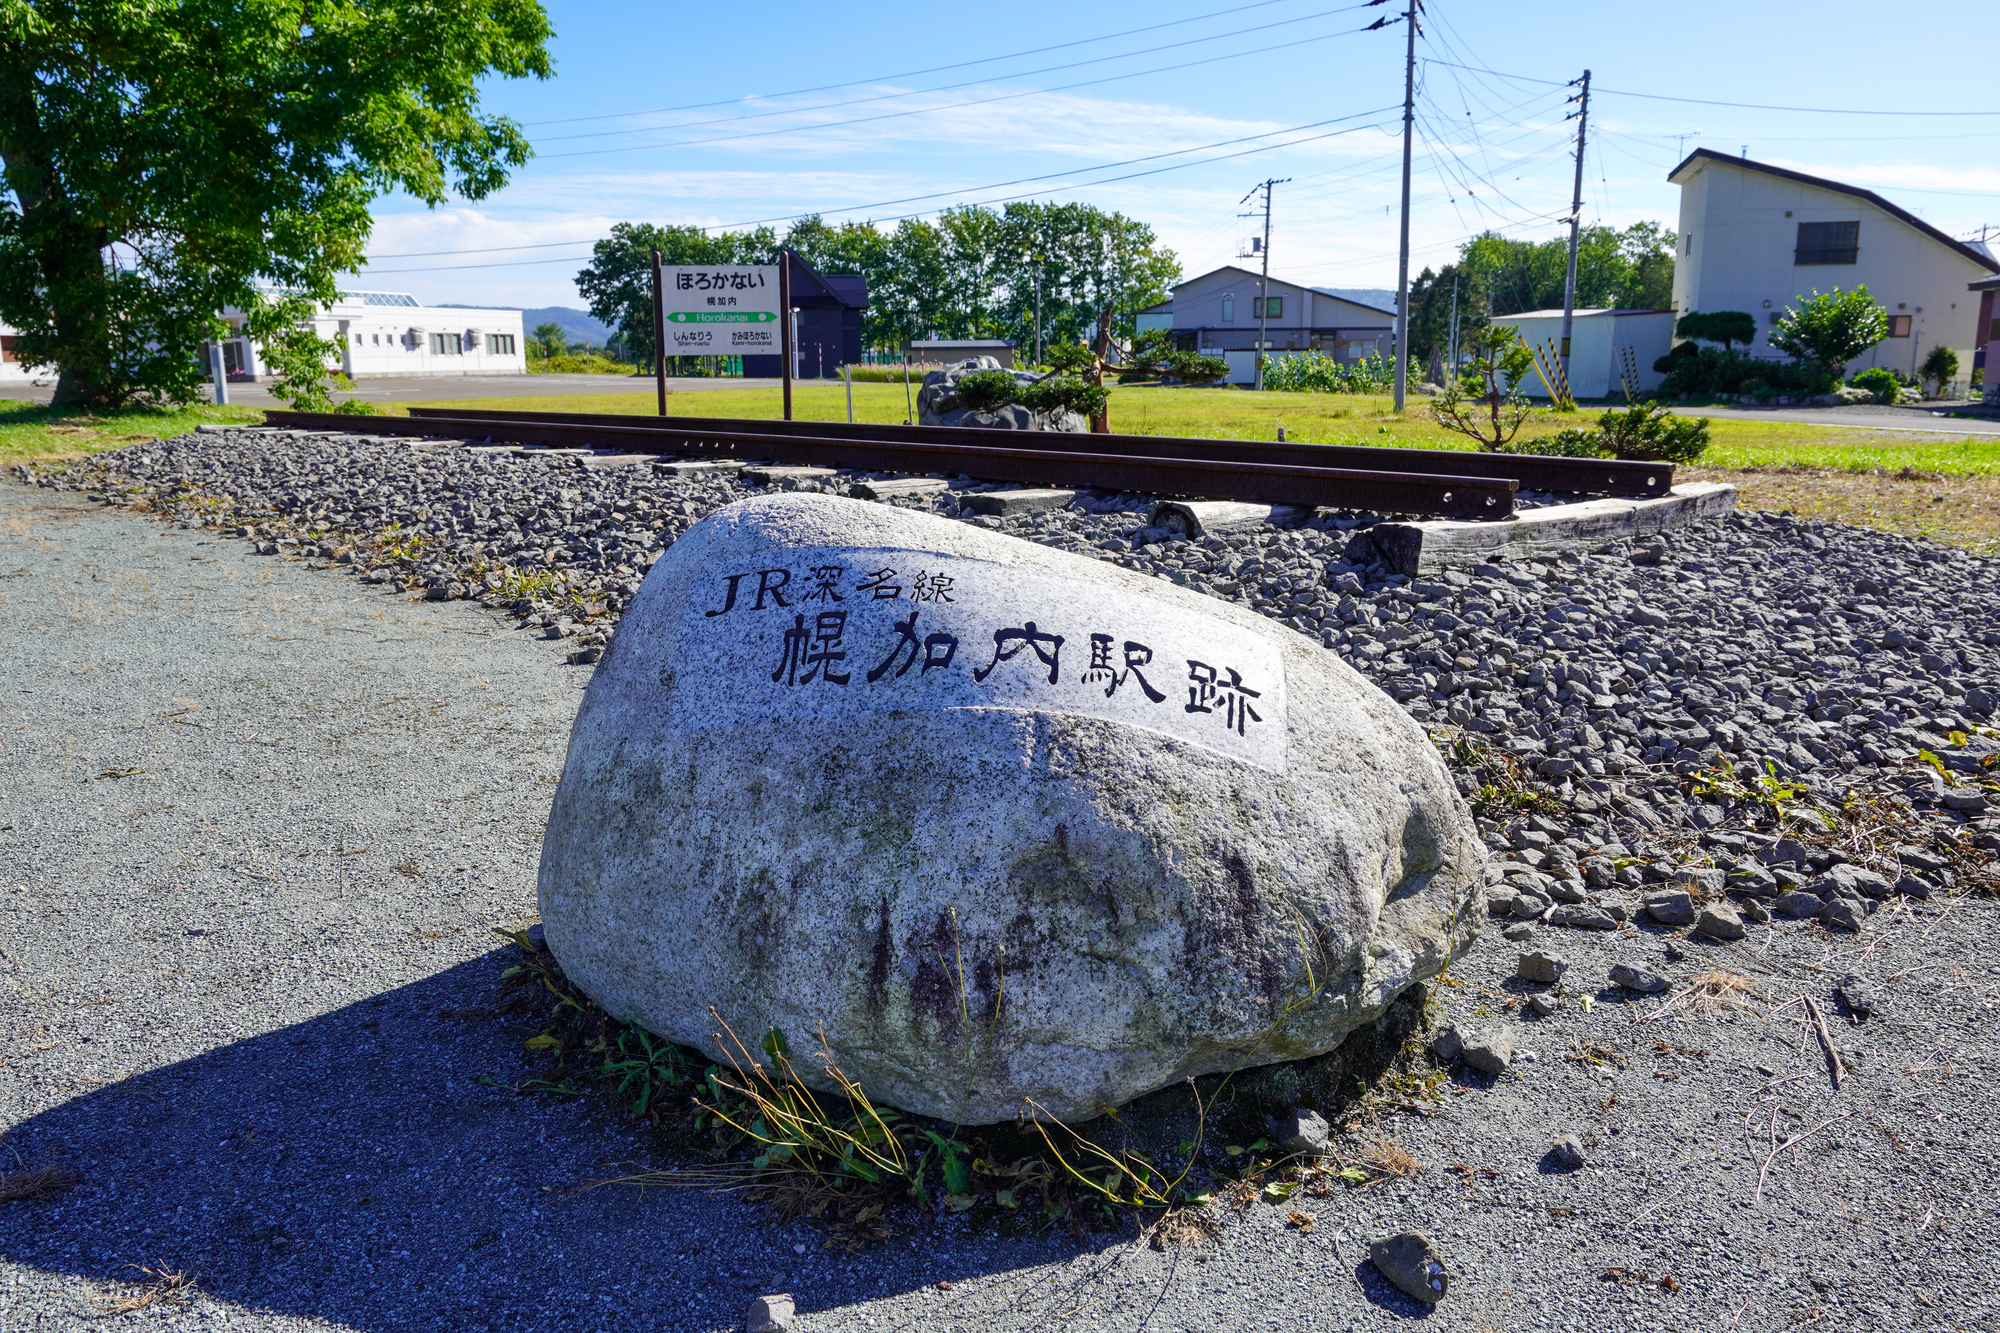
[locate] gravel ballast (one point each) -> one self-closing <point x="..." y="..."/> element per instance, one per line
<point x="1623" y="721"/>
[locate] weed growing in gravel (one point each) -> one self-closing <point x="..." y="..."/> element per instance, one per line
<point x="1500" y="786"/>
<point x="163" y="1284"/>
<point x="34" y="1186"/>
<point x="1382" y="1159"/>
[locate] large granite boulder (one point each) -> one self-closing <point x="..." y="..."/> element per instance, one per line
<point x="938" y="405"/>
<point x="993" y="821"/>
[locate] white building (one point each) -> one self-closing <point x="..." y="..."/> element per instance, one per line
<point x="1608" y="348"/>
<point x="1756" y="237"/>
<point x="1217" y="313"/>
<point x="389" y="333"/>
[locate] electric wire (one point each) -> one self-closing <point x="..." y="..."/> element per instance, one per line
<point x="953" y="106"/>
<point x="949" y="87"/>
<point x="917" y="73"/>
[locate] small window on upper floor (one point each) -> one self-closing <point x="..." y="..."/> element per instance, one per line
<point x="1229" y="310"/>
<point x="1899" y="326"/>
<point x="500" y="344"/>
<point x="1267" y="307"/>
<point x="1827" y="243"/>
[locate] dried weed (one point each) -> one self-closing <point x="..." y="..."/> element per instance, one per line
<point x="164" y="1285"/>
<point x="1383" y="1159"/>
<point x="34" y="1186"/>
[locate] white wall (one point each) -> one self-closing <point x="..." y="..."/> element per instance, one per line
<point x="1738" y="230"/>
<point x="403" y="340"/>
<point x="1597" y="339"/>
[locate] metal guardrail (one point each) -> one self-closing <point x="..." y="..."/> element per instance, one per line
<point x="1628" y="480"/>
<point x="1210" y="478"/>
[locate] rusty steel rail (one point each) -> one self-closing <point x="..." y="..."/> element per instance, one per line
<point x="1219" y="479"/>
<point x="1617" y="477"/>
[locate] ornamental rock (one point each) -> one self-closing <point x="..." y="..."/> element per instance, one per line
<point x="1006" y="828"/>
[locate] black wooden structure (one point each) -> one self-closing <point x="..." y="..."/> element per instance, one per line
<point x="829" y="307"/>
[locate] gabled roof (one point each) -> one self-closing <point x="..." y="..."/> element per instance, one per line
<point x="1979" y="257"/>
<point x="1580" y="312"/>
<point x="1327" y="292"/>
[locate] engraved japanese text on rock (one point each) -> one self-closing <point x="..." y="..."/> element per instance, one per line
<point x="1004" y="823"/>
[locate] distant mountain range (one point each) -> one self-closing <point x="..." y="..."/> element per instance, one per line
<point x="1382" y="298"/>
<point x="579" y="326"/>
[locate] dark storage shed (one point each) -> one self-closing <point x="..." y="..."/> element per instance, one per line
<point x="829" y="324"/>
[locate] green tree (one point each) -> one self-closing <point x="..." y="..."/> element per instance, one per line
<point x="1831" y="328"/>
<point x="1499" y="362"/>
<point x="1628" y="270"/>
<point x="1431" y="304"/>
<point x="1940" y="368"/>
<point x="551" y="339"/>
<point x="618" y="280"/>
<point x="1718" y="326"/>
<point x="162" y="162"/>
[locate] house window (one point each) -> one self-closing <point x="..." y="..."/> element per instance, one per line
<point x="1229" y="310"/>
<point x="446" y="344"/>
<point x="1267" y="307"/>
<point x="377" y="337"/>
<point x="1827" y="243"/>
<point x="357" y="340"/>
<point x="1899" y="326"/>
<point x="7" y="353"/>
<point x="500" y="344"/>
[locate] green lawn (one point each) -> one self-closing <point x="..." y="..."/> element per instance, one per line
<point x="1324" y="419"/>
<point x="33" y="432"/>
<point x="28" y="431"/>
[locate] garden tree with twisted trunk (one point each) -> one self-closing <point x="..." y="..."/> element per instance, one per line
<point x="1718" y="326"/>
<point x="163" y="161"/>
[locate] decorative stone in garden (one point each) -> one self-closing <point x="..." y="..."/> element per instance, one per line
<point x="938" y="405"/>
<point x="1001" y="822"/>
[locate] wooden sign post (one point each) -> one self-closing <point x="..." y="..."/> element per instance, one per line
<point x="659" y="334"/>
<point x="785" y="322"/>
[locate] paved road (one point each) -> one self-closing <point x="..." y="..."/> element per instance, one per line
<point x="432" y="388"/>
<point x="1861" y="416"/>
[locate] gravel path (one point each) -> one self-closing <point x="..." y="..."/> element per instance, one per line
<point x="249" y="975"/>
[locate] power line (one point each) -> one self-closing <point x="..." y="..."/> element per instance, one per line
<point x="954" y="106"/>
<point x="914" y="73"/>
<point x="977" y="189"/>
<point x="953" y="87"/>
<point x="793" y="217"/>
<point x="1702" y="101"/>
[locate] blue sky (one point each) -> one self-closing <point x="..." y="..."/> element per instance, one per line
<point x="719" y="115"/>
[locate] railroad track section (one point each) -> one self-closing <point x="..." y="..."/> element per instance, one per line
<point x="936" y="449"/>
<point x="1589" y="476"/>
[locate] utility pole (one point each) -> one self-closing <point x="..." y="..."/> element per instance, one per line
<point x="1038" y="313"/>
<point x="1263" y="282"/>
<point x="1452" y="369"/>
<point x="1582" y="99"/>
<point x="1402" y="349"/>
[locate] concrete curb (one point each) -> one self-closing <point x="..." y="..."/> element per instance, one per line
<point x="1426" y="548"/>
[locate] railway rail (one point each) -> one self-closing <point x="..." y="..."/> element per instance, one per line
<point x="1405" y="481"/>
<point x="1614" y="477"/>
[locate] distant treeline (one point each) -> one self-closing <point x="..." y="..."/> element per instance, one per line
<point x="970" y="274"/>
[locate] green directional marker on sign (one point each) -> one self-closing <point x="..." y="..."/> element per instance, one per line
<point x="723" y="317"/>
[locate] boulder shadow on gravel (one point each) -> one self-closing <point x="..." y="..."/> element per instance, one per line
<point x="1383" y="1293"/>
<point x="375" y="1168"/>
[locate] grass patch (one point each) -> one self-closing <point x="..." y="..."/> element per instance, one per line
<point x="31" y="431"/>
<point x="749" y="1124"/>
<point x="1318" y="418"/>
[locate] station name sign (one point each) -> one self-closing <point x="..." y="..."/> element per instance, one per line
<point x="721" y="310"/>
